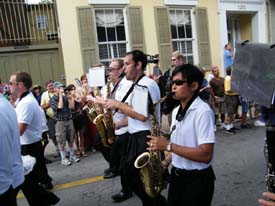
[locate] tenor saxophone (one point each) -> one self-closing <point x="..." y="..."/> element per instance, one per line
<point x="149" y="163"/>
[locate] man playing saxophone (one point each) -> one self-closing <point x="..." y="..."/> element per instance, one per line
<point x="119" y="88"/>
<point x="139" y="122"/>
<point x="192" y="141"/>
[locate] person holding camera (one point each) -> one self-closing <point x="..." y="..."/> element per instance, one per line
<point x="64" y="124"/>
<point x="165" y="85"/>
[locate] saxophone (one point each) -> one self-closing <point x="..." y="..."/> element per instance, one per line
<point x="149" y="163"/>
<point x="104" y="122"/>
<point x="90" y="111"/>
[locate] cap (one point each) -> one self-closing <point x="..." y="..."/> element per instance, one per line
<point x="57" y="85"/>
<point x="36" y="86"/>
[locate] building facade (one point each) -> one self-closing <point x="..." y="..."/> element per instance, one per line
<point x="96" y="31"/>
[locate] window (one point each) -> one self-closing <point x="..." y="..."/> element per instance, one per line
<point x="110" y="34"/>
<point x="182" y="34"/>
<point x="41" y="22"/>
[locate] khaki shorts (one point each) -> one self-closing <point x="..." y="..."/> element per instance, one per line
<point x="219" y="107"/>
<point x="64" y="131"/>
<point x="231" y="103"/>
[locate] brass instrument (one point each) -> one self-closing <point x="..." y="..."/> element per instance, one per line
<point x="90" y="110"/>
<point x="104" y="122"/>
<point x="149" y="163"/>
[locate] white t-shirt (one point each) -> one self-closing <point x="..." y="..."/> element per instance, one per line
<point x="121" y="90"/>
<point x="44" y="120"/>
<point x="196" y="128"/>
<point x="11" y="167"/>
<point x="28" y="112"/>
<point x="140" y="103"/>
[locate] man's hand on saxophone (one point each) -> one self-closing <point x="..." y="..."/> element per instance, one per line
<point x="160" y="143"/>
<point x="157" y="143"/>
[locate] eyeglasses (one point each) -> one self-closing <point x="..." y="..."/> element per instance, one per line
<point x="112" y="69"/>
<point x="173" y="60"/>
<point x="178" y="82"/>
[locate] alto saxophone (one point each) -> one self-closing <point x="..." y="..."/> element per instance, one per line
<point x="104" y="122"/>
<point x="150" y="164"/>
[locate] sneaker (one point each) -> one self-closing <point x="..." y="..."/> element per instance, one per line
<point x="66" y="162"/>
<point x="74" y="159"/>
<point x="231" y="131"/>
<point x="235" y="128"/>
<point x="259" y="123"/>
<point x="222" y="126"/>
<point x="245" y="126"/>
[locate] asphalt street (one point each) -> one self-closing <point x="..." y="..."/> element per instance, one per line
<point x="239" y="165"/>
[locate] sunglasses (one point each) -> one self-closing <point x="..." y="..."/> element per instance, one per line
<point x="178" y="82"/>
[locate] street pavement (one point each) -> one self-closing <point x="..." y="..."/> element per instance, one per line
<point x="239" y="165"/>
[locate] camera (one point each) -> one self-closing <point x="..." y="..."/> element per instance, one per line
<point x="153" y="59"/>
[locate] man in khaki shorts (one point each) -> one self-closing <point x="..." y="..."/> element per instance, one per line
<point x="64" y="124"/>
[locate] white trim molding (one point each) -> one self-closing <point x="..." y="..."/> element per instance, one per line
<point x="181" y="2"/>
<point x="112" y="2"/>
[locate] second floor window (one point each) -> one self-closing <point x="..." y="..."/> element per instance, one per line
<point x="110" y="34"/>
<point x="182" y="34"/>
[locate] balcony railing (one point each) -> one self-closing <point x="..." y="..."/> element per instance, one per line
<point x="24" y="23"/>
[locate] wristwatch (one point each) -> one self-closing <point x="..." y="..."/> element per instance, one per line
<point x="169" y="147"/>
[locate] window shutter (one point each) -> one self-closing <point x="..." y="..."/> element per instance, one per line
<point x="87" y="33"/>
<point x="164" y="36"/>
<point x="136" y="28"/>
<point x="203" y="37"/>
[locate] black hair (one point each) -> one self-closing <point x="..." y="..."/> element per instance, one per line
<point x="228" y="70"/>
<point x="138" y="55"/>
<point x="69" y="87"/>
<point x="191" y="73"/>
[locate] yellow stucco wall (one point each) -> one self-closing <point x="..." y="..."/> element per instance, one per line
<point x="214" y="30"/>
<point x="149" y="24"/>
<point x="245" y="27"/>
<point x="67" y="17"/>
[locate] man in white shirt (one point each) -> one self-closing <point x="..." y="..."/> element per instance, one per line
<point x="119" y="91"/>
<point x="30" y="128"/>
<point x="145" y="93"/>
<point x="11" y="167"/>
<point x="192" y="141"/>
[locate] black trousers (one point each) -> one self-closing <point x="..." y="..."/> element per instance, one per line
<point x="40" y="172"/>
<point x="8" y="198"/>
<point x="117" y="152"/>
<point x="195" y="187"/>
<point x="35" y="194"/>
<point x="136" y="146"/>
<point x="105" y="151"/>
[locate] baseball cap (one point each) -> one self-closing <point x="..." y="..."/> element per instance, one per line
<point x="57" y="85"/>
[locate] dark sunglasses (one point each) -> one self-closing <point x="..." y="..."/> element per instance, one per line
<point x="178" y="82"/>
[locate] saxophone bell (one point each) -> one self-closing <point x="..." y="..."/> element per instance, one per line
<point x="142" y="160"/>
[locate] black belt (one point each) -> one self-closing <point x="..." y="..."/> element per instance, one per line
<point x="182" y="172"/>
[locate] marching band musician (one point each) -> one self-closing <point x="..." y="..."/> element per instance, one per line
<point x="120" y="87"/>
<point x="139" y="123"/>
<point x="192" y="141"/>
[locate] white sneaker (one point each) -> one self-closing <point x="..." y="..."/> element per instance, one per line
<point x="222" y="126"/>
<point x="66" y="162"/>
<point x="74" y="159"/>
<point x="259" y="123"/>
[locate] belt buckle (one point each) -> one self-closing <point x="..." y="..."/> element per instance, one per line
<point x="177" y="172"/>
